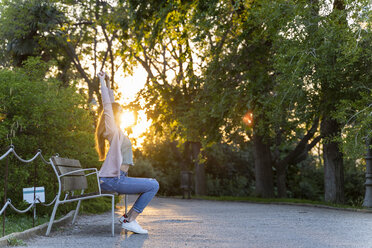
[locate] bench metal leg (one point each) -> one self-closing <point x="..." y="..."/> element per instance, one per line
<point x="76" y="212"/>
<point x="77" y="209"/>
<point x="125" y="199"/>
<point x="112" y="215"/>
<point x="52" y="218"/>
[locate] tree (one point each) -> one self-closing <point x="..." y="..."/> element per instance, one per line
<point x="354" y="115"/>
<point x="156" y="36"/>
<point x="240" y="79"/>
<point x="72" y="33"/>
<point x="323" y="57"/>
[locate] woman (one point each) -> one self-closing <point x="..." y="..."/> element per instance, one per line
<point x="113" y="173"/>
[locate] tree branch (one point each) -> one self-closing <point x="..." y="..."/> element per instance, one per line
<point x="301" y="147"/>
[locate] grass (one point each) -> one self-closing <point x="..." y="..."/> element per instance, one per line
<point x="16" y="242"/>
<point x="274" y="200"/>
<point x="19" y="223"/>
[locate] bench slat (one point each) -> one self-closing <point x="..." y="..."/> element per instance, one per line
<point x="73" y="183"/>
<point x="58" y="161"/>
<point x="63" y="170"/>
<point x="76" y="181"/>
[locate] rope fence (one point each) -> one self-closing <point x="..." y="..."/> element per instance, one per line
<point x="8" y="201"/>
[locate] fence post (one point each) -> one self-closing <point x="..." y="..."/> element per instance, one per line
<point x="34" y="215"/>
<point x="368" y="196"/>
<point x="5" y="191"/>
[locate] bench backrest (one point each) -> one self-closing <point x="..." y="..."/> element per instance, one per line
<point x="75" y="181"/>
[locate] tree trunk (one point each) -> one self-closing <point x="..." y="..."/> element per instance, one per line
<point x="200" y="183"/>
<point x="263" y="167"/>
<point x="368" y="194"/>
<point x="182" y="160"/>
<point x="281" y="173"/>
<point x="333" y="162"/>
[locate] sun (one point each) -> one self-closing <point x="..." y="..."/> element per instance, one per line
<point x="128" y="87"/>
<point x="127" y="119"/>
<point x="138" y="125"/>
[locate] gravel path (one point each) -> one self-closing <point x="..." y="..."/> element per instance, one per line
<point x="199" y="223"/>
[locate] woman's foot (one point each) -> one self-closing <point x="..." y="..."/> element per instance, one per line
<point x="133" y="226"/>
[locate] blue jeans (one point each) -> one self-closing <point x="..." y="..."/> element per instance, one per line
<point x="146" y="187"/>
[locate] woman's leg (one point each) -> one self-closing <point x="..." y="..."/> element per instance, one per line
<point x="131" y="215"/>
<point x="146" y="187"/>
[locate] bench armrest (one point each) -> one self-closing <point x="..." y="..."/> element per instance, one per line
<point x="95" y="172"/>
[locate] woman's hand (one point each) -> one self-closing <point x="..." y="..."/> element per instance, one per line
<point x="107" y="80"/>
<point x="107" y="77"/>
<point x="102" y="76"/>
<point x="124" y="167"/>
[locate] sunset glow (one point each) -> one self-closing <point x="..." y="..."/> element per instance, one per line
<point x="248" y="118"/>
<point x="128" y="87"/>
<point x="127" y="119"/>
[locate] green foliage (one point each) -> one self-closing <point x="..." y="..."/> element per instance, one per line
<point x="74" y="34"/>
<point x="156" y="35"/>
<point x="16" y="242"/>
<point x="305" y="181"/>
<point x="157" y="160"/>
<point x="354" y="182"/>
<point x="143" y="168"/>
<point x="321" y="60"/>
<point x="357" y="119"/>
<point x="97" y="205"/>
<point x="329" y="69"/>
<point x="38" y="113"/>
<point x="236" y="186"/>
<point x="282" y="61"/>
<point x="25" y="27"/>
<point x="230" y="170"/>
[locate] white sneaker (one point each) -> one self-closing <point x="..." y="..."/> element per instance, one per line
<point x="133" y="226"/>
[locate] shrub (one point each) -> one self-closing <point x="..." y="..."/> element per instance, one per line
<point x="38" y="113"/>
<point x="305" y="181"/>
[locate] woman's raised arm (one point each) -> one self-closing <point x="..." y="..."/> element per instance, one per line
<point x="107" y="100"/>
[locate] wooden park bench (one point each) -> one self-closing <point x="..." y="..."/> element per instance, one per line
<point x="72" y="177"/>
